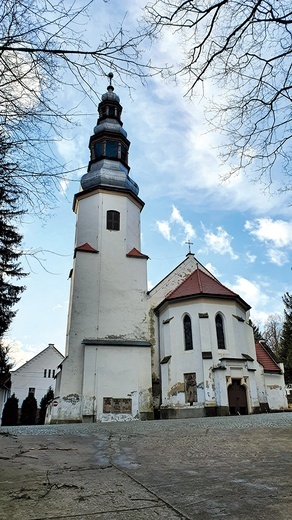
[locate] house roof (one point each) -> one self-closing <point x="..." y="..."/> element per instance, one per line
<point x="87" y="248"/>
<point x="199" y="283"/>
<point x="50" y="347"/>
<point x="265" y="358"/>
<point x="134" y="253"/>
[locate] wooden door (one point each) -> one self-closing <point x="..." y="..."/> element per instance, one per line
<point x="237" y="398"/>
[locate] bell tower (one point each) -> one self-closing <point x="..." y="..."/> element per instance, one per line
<point x="106" y="374"/>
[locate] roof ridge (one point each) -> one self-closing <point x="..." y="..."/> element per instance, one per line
<point x="50" y="346"/>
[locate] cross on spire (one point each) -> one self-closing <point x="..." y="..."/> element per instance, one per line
<point x="188" y="243"/>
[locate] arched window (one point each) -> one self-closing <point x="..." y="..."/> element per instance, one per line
<point x="188" y="333"/>
<point x="220" y="331"/>
<point x="113" y="220"/>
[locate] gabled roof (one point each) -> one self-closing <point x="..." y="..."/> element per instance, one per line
<point x="265" y="358"/>
<point x="40" y="354"/>
<point x="87" y="248"/>
<point x="199" y="283"/>
<point x="134" y="253"/>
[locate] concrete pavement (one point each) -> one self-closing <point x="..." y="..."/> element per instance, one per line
<point x="236" y="468"/>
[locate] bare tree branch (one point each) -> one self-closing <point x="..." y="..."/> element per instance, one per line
<point x="244" y="47"/>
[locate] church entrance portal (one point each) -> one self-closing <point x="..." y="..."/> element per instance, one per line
<point x="237" y="398"/>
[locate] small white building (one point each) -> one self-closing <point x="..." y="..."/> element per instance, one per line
<point x="270" y="379"/>
<point x="184" y="349"/>
<point x="36" y="375"/>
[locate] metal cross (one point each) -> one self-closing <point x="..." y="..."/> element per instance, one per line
<point x="189" y="244"/>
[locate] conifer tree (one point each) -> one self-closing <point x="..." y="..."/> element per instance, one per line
<point x="10" y="252"/>
<point x="28" y="410"/>
<point x="256" y="332"/>
<point x="10" y="412"/>
<point x="5" y="363"/>
<point x="285" y="350"/>
<point x="48" y="397"/>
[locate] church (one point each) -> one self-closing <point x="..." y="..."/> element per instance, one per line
<point x="183" y="349"/>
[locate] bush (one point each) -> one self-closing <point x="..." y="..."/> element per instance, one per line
<point x="28" y="410"/>
<point x="10" y="412"/>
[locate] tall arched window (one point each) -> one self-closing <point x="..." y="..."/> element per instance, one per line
<point x="113" y="220"/>
<point x="188" y="333"/>
<point x="220" y="331"/>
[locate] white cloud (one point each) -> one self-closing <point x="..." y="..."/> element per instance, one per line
<point x="187" y="226"/>
<point x="212" y="270"/>
<point x="164" y="228"/>
<point x="251" y="258"/>
<point x="251" y="292"/>
<point x="184" y="228"/>
<point x="58" y="306"/>
<point x="267" y="230"/>
<point x="18" y="353"/>
<point x="220" y="242"/>
<point x="64" y="185"/>
<point x="277" y="257"/>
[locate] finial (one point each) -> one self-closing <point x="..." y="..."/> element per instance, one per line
<point x="110" y="76"/>
<point x="189" y="244"/>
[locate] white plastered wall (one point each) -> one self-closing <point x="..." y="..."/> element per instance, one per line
<point x="211" y="385"/>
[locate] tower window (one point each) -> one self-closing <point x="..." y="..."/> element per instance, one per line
<point x="98" y="149"/>
<point x="220" y="331"/>
<point x="111" y="111"/>
<point x="112" y="149"/>
<point x="113" y="220"/>
<point x="188" y="333"/>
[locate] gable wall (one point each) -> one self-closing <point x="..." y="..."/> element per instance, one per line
<point x="31" y="375"/>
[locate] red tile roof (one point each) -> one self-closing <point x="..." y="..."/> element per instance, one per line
<point x="87" y="248"/>
<point x="265" y="359"/>
<point x="200" y="283"/>
<point x="136" y="254"/>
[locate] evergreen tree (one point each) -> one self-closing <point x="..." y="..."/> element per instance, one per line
<point x="5" y="363"/>
<point x="48" y="397"/>
<point x="10" y="412"/>
<point x="285" y="349"/>
<point x="28" y="410"/>
<point x="256" y="332"/>
<point x="10" y="268"/>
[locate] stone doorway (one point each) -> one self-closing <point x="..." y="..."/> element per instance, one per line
<point x="237" y="398"/>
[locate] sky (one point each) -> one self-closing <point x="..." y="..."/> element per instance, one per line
<point x="240" y="233"/>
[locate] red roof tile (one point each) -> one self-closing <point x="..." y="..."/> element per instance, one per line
<point x="87" y="248"/>
<point x="265" y="359"/>
<point x="198" y="283"/>
<point x="136" y="254"/>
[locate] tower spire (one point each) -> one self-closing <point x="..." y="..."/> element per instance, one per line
<point x="109" y="148"/>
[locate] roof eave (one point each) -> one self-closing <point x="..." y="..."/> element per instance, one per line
<point x="204" y="295"/>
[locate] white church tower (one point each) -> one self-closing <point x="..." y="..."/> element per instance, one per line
<point x="106" y="374"/>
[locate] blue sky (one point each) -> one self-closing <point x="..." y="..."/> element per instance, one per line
<point x="244" y="236"/>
